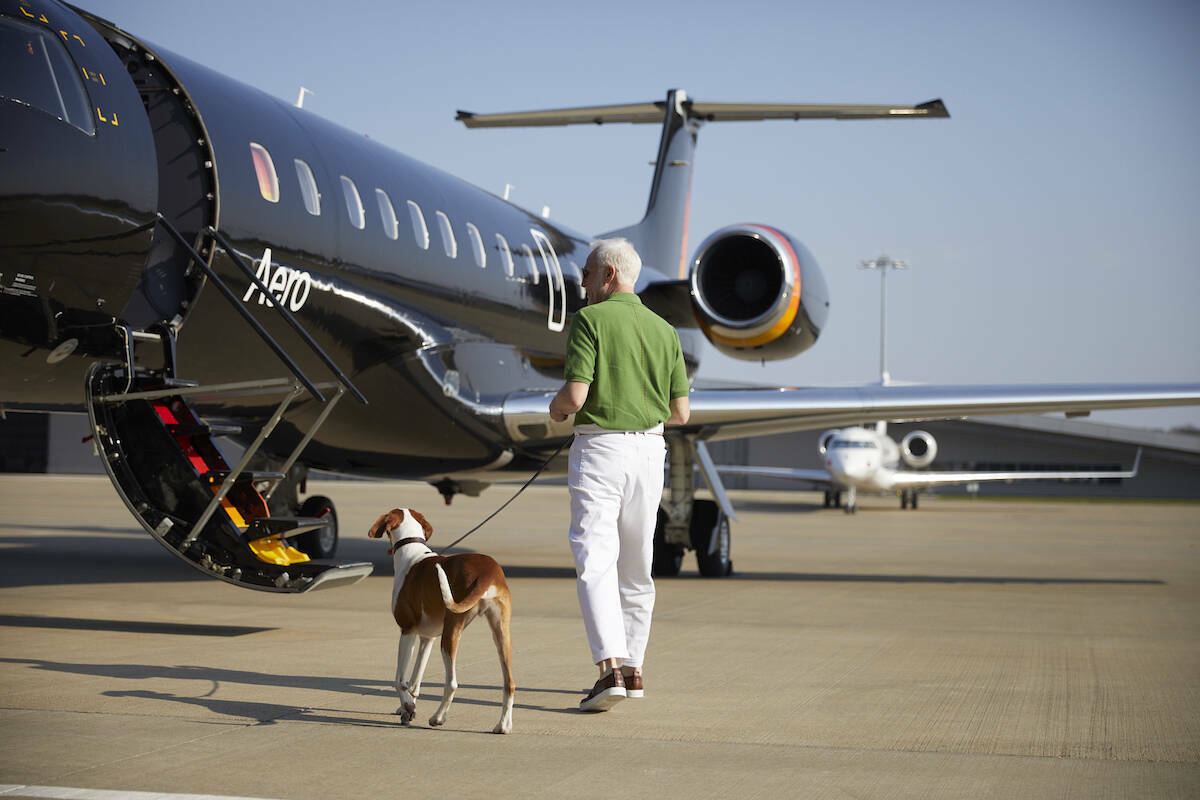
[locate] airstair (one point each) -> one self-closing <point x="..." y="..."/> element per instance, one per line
<point x="165" y="463"/>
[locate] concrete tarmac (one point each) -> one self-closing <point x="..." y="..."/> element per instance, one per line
<point x="969" y="649"/>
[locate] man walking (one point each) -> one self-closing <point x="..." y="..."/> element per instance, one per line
<point x="625" y="378"/>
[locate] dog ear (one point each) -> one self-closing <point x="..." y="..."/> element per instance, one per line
<point x="419" y="517"/>
<point x="386" y="523"/>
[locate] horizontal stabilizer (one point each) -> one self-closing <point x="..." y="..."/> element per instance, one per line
<point x="641" y="113"/>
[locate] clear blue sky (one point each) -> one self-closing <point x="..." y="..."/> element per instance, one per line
<point x="1052" y="224"/>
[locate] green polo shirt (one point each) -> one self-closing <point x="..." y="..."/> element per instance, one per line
<point x="632" y="360"/>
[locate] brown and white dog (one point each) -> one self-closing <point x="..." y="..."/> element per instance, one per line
<point x="437" y="596"/>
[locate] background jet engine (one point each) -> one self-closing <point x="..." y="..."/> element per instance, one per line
<point x="758" y="293"/>
<point x="918" y="449"/>
<point x="826" y="438"/>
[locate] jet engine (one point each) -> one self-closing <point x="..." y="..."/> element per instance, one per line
<point x="758" y="293"/>
<point x="826" y="438"/>
<point x="918" y="449"/>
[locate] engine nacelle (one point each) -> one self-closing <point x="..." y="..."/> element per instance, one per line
<point x="758" y="293"/>
<point x="918" y="449"/>
<point x="826" y="438"/>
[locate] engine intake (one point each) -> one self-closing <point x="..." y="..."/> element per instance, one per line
<point x="758" y="293"/>
<point x="918" y="449"/>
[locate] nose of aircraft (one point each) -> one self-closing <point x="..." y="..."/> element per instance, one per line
<point x="848" y="466"/>
<point x="78" y="184"/>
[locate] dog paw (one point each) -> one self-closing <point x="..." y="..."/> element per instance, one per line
<point x="502" y="728"/>
<point x="406" y="713"/>
<point x="437" y="721"/>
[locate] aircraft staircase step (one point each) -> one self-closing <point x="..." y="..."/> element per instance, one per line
<point x="216" y="477"/>
<point x="262" y="527"/>
<point x="167" y="382"/>
<point x="172" y="476"/>
<point x="198" y="429"/>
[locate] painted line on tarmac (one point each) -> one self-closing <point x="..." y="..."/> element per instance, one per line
<point x="68" y="793"/>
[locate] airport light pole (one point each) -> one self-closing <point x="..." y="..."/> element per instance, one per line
<point x="883" y="263"/>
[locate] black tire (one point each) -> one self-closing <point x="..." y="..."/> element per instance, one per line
<point x="668" y="558"/>
<point x="828" y="500"/>
<point x="707" y="517"/>
<point x="904" y="499"/>
<point x="321" y="543"/>
<point x="914" y="501"/>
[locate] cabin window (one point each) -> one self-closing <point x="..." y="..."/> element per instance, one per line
<point x="354" y="205"/>
<point x="448" y="242"/>
<point x="308" y="188"/>
<point x="36" y="70"/>
<point x="420" y="231"/>
<point x="387" y="214"/>
<point x="505" y="255"/>
<point x="477" y="246"/>
<point x="264" y="169"/>
<point x="530" y="264"/>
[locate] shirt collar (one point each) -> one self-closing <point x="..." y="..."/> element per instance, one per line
<point x="624" y="297"/>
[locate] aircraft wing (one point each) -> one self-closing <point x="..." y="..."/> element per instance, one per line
<point x="736" y="413"/>
<point x="818" y="477"/>
<point x="919" y="479"/>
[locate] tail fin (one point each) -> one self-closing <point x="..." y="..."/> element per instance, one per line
<point x="661" y="236"/>
<point x="467" y="603"/>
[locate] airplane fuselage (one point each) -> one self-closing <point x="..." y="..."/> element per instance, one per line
<point x="862" y="458"/>
<point x="439" y="298"/>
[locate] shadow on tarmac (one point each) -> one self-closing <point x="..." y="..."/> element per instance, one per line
<point x="123" y="558"/>
<point x="853" y="578"/>
<point x="125" y="626"/>
<point x="269" y="712"/>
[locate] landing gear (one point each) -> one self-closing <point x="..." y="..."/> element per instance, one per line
<point x="833" y="499"/>
<point x="684" y="521"/>
<point x="851" y="500"/>
<point x="908" y="496"/>
<point x="321" y="543"/>
<point x="284" y="500"/>
<point x="709" y="531"/>
<point x="668" y="558"/>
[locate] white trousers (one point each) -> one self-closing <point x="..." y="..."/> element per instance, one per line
<point x="616" y="482"/>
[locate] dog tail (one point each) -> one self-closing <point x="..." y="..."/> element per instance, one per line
<point x="467" y="603"/>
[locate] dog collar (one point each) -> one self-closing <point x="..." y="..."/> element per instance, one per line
<point x="409" y="540"/>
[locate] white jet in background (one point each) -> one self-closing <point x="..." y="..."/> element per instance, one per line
<point x="870" y="460"/>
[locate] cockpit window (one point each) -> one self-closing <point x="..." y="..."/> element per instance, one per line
<point x="842" y="443"/>
<point x="36" y="70"/>
<point x="264" y="169"/>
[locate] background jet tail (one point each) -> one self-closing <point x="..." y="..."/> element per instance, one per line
<point x="661" y="236"/>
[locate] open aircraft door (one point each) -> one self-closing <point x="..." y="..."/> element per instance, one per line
<point x="556" y="289"/>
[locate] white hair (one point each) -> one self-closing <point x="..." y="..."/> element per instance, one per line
<point x="620" y="255"/>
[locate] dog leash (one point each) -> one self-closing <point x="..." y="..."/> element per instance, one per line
<point x="545" y="463"/>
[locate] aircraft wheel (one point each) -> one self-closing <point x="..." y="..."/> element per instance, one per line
<point x="707" y="517"/>
<point x="914" y="501"/>
<point x="668" y="558"/>
<point x="828" y="500"/>
<point x="837" y="499"/>
<point x="904" y="499"/>
<point x="321" y="543"/>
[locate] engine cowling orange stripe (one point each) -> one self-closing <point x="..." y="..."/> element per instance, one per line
<point x="789" y="315"/>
